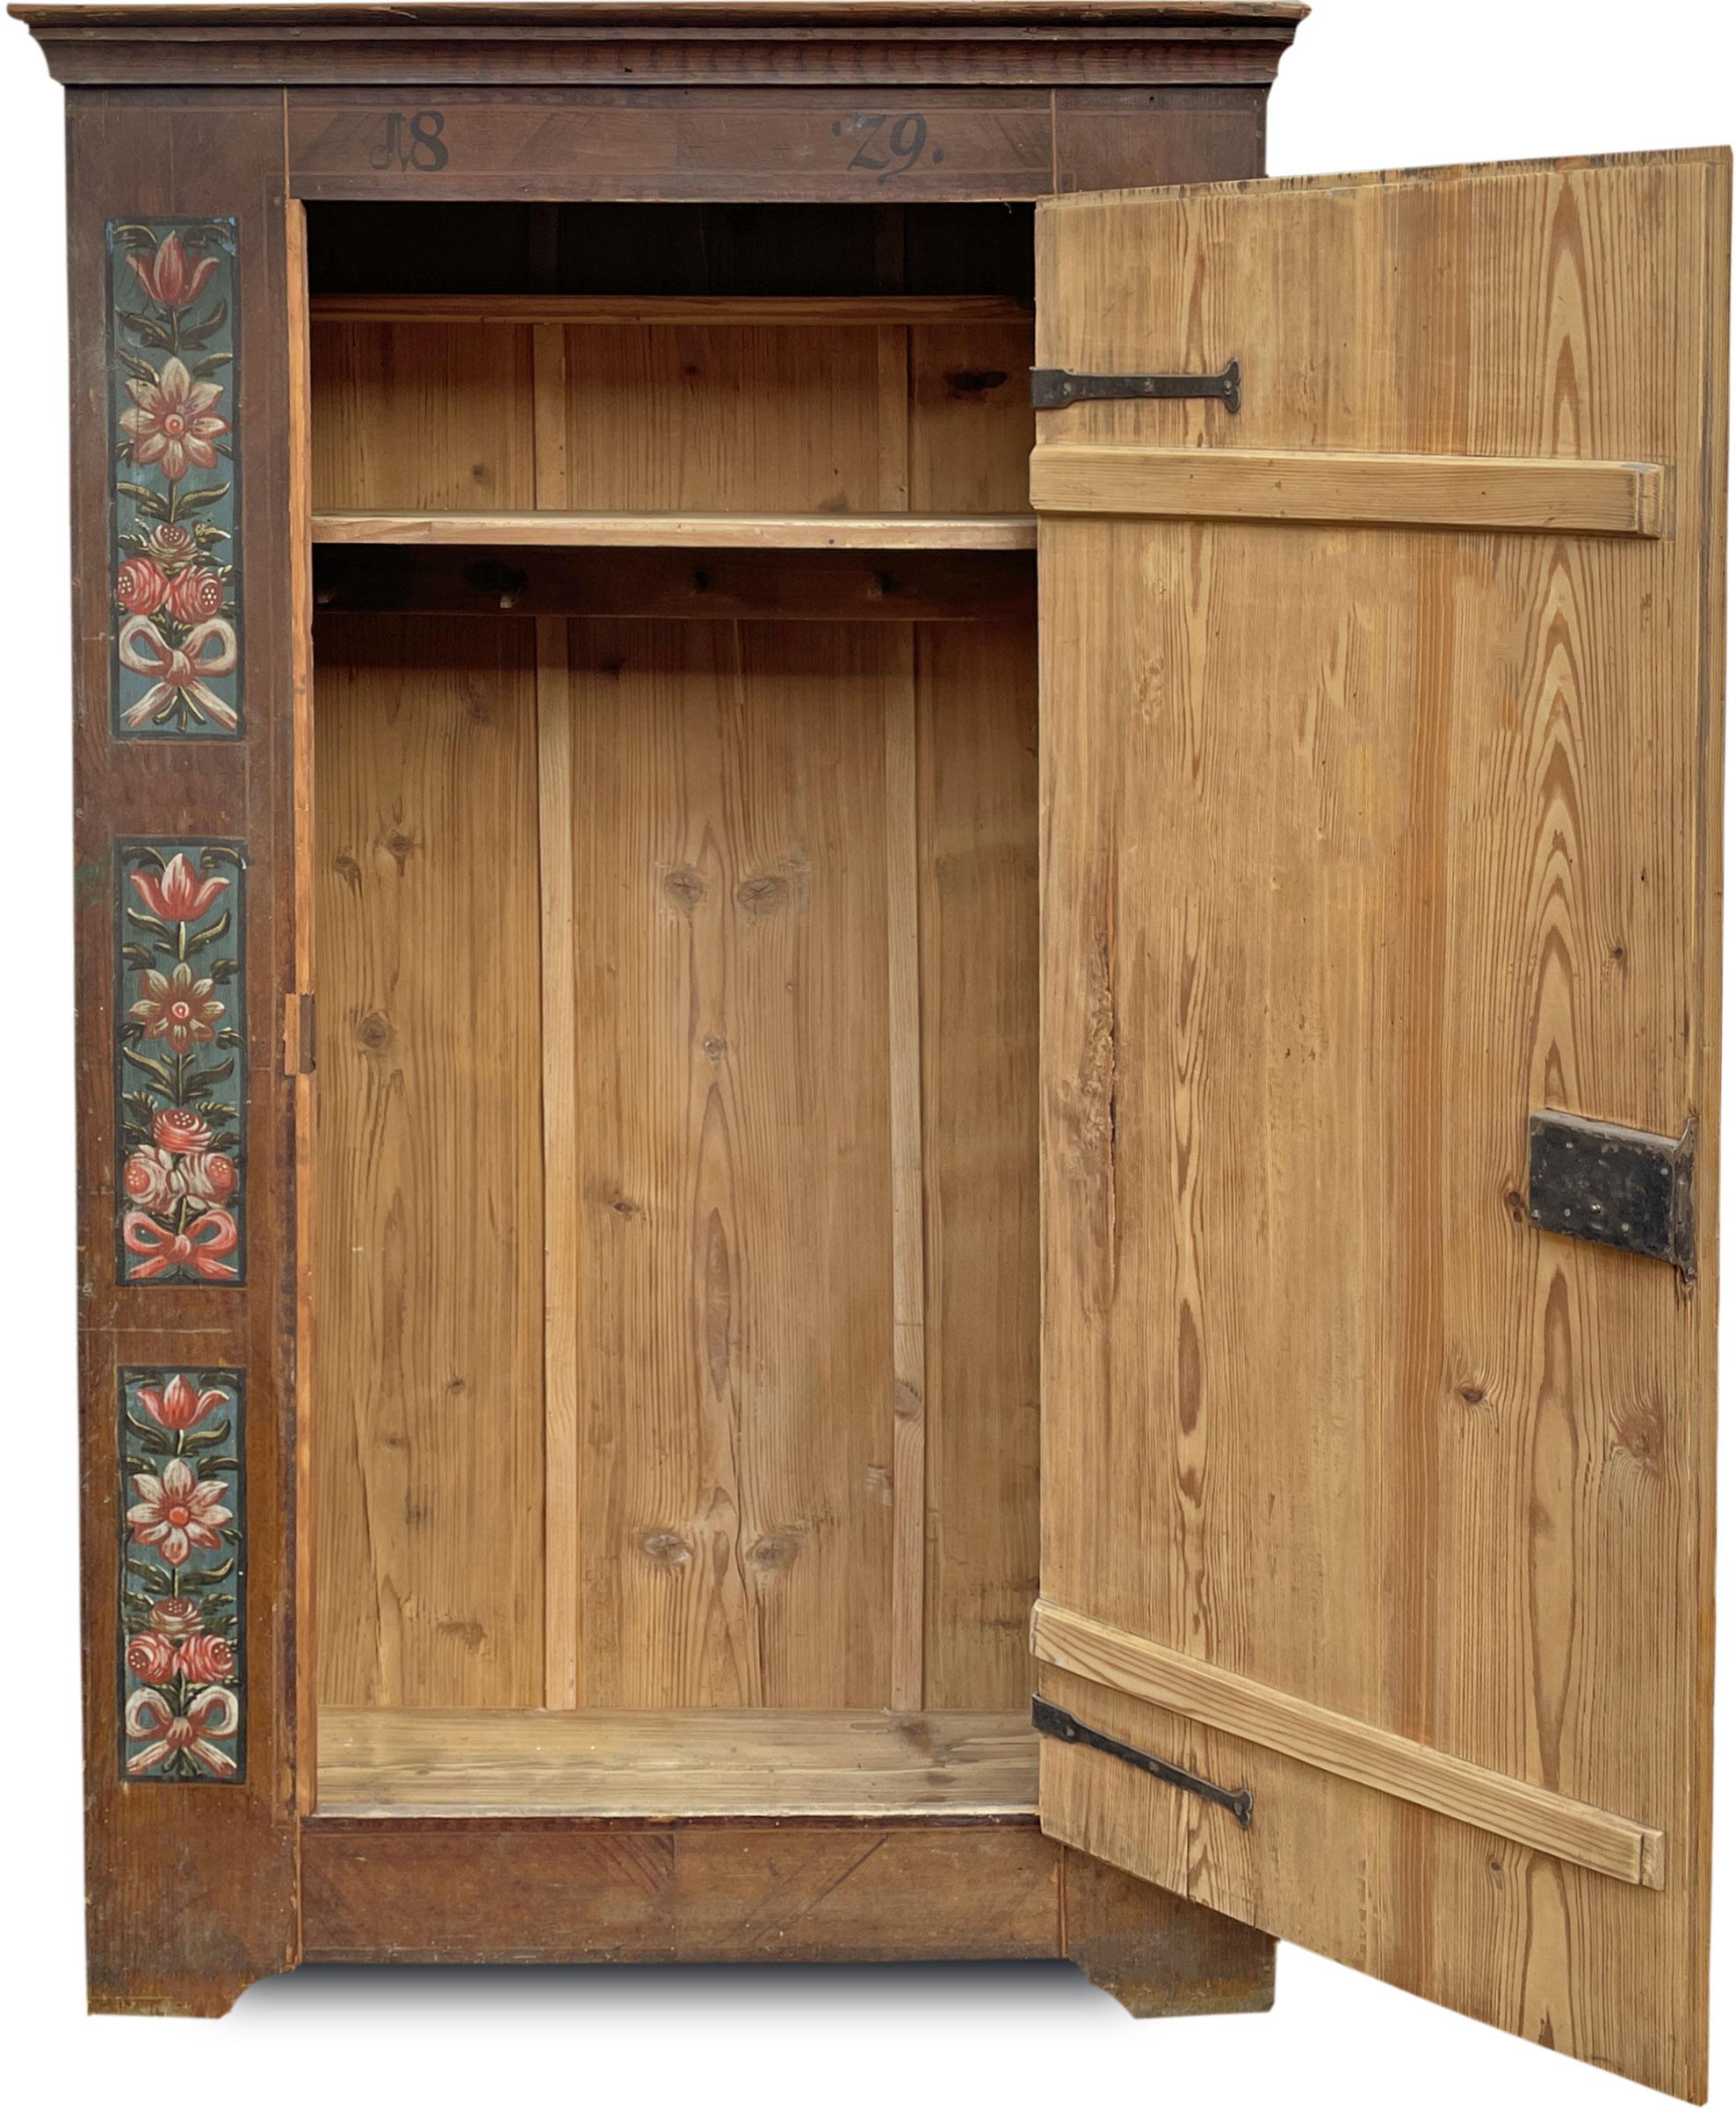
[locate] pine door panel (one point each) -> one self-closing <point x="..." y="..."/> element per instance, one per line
<point x="1380" y="809"/>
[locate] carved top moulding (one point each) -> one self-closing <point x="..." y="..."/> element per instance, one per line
<point x="668" y="43"/>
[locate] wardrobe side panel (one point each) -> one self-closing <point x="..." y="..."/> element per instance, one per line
<point x="184" y="747"/>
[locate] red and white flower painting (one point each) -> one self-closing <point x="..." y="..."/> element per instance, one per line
<point x="172" y="353"/>
<point x="173" y="422"/>
<point x="183" y="1568"/>
<point x="181" y="1056"/>
<point x="175" y="1510"/>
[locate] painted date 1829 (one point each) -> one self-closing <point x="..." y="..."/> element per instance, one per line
<point x="888" y="143"/>
<point x="410" y="140"/>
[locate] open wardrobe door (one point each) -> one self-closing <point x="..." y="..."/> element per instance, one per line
<point x="1381" y="575"/>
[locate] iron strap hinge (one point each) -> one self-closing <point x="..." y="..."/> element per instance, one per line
<point x="1621" y="1186"/>
<point x="1054" y="388"/>
<point x="1067" y="1728"/>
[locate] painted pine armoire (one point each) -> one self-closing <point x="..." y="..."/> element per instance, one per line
<point x="898" y="923"/>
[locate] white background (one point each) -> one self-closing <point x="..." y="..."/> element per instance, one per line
<point x="1370" y="84"/>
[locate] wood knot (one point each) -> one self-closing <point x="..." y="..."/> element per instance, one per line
<point x="374" y="1031"/>
<point x="716" y="1046"/>
<point x="466" y="1631"/>
<point x="685" y="888"/>
<point x="398" y="846"/>
<point x="906" y="1400"/>
<point x="668" y="1548"/>
<point x="1641" y="1435"/>
<point x="762" y="895"/>
<point x="773" y="1552"/>
<point x="972" y="381"/>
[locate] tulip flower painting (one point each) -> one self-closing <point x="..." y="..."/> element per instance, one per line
<point x="180" y="1053"/>
<point x="177" y="666"/>
<point x="182" y="1570"/>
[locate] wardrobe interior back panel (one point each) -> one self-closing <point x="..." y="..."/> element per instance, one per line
<point x="427" y="1359"/>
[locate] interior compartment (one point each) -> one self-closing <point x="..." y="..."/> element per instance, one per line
<point x="676" y="822"/>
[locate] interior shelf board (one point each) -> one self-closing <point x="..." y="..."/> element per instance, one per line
<point x="704" y="1763"/>
<point x="689" y="530"/>
<point x="878" y="310"/>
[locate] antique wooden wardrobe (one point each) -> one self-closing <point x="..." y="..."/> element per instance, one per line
<point x="594" y="726"/>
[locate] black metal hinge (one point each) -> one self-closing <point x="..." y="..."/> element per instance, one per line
<point x="1054" y="388"/>
<point x="1620" y="1187"/>
<point x="1067" y="1728"/>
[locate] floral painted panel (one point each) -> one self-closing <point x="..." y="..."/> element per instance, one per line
<point x="181" y="1057"/>
<point x="183" y="1573"/>
<point x="177" y="492"/>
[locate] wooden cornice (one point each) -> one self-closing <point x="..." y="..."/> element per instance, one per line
<point x="666" y="43"/>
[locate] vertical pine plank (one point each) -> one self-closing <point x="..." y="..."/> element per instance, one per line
<point x="904" y="1017"/>
<point x="563" y="1649"/>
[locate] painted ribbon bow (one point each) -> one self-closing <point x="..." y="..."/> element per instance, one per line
<point x="178" y="669"/>
<point x="199" y="1247"/>
<point x="211" y="1712"/>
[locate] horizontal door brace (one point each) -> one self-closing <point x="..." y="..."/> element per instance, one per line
<point x="1530" y="1815"/>
<point x="1067" y="1728"/>
<point x="1546" y="496"/>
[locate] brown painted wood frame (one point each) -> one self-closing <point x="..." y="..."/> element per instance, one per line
<point x="197" y="1887"/>
<point x="191" y="1884"/>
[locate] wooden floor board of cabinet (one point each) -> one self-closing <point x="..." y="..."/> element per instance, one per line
<point x="889" y="898"/>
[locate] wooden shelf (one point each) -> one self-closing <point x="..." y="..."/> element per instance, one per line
<point x="703" y="1763"/>
<point x="684" y="530"/>
<point x="846" y="311"/>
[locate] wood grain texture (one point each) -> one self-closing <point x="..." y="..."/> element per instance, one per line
<point x="1350" y="1749"/>
<point x="698" y="530"/>
<point x="422" y="1889"/>
<point x="562" y="1652"/>
<point x="518" y="1890"/>
<point x="972" y="425"/>
<point x="430" y="1266"/>
<point x="704" y="1763"/>
<point x="686" y="144"/>
<point x="1108" y="137"/>
<point x="729" y="1206"/>
<point x="300" y="1039"/>
<point x="947" y="413"/>
<point x="692" y="418"/>
<point x="977" y="834"/>
<point x="561" y="935"/>
<point x="190" y="1889"/>
<point x="1159" y="1968"/>
<point x="660" y="46"/>
<point x="904" y="1080"/>
<point x="1359" y="844"/>
<point x="435" y="418"/>
<point x="1294" y="483"/>
<point x="825" y="427"/>
<point x="199" y="18"/>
